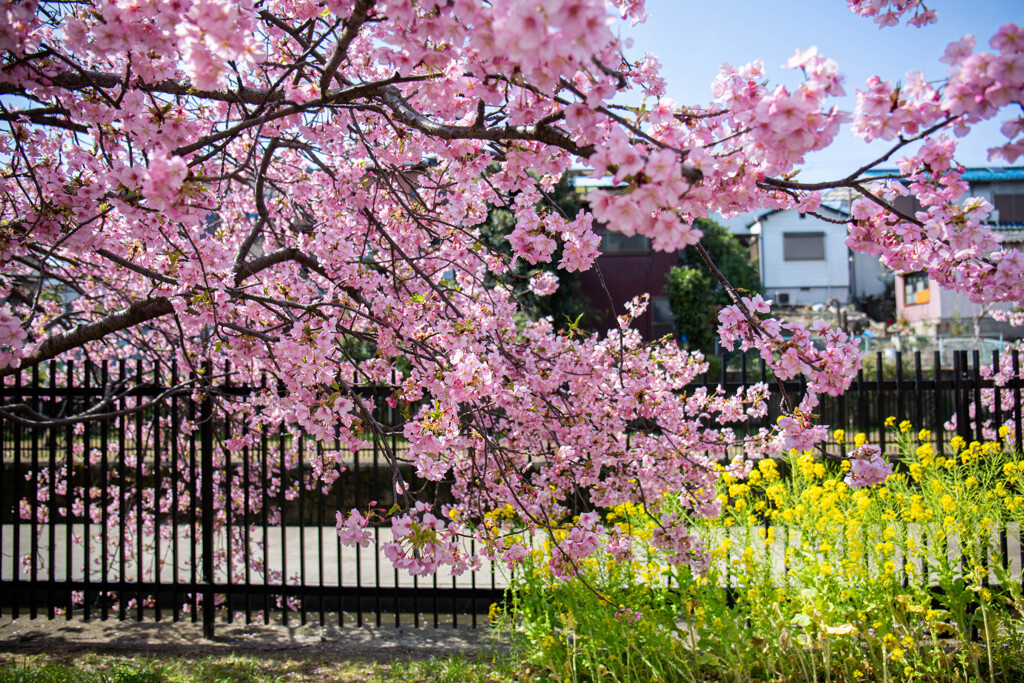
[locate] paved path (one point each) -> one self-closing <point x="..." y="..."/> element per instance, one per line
<point x="30" y="636"/>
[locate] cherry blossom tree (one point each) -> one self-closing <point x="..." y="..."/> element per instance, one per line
<point x="277" y="184"/>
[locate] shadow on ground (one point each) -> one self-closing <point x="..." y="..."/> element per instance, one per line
<point x="382" y="644"/>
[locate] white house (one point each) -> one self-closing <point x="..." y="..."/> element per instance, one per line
<point x="805" y="260"/>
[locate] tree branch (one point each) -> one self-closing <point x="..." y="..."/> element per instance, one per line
<point x="549" y="135"/>
<point x="85" y="79"/>
<point x="275" y="257"/>
<point x="136" y="314"/>
<point x="141" y="270"/>
<point x="359" y="15"/>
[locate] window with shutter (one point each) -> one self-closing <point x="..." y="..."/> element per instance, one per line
<point x="1010" y="207"/>
<point x="803" y="246"/>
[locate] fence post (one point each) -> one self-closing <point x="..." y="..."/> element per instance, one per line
<point x="960" y="396"/>
<point x="206" y="467"/>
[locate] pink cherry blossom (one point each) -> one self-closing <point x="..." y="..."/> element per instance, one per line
<point x="867" y="467"/>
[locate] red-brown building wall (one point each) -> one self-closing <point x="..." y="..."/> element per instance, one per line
<point x="627" y="276"/>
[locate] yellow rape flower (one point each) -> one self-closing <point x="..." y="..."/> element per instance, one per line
<point x="860" y="439"/>
<point x="738" y="490"/>
<point x="905" y="426"/>
<point x="769" y="469"/>
<point x="890" y="421"/>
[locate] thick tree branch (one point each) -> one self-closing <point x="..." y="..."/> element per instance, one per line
<point x="84" y="80"/>
<point x="359" y="15"/>
<point x="141" y="270"/>
<point x="549" y="135"/>
<point x="138" y="313"/>
<point x="275" y="257"/>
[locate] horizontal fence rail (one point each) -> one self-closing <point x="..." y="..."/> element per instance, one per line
<point x="172" y="509"/>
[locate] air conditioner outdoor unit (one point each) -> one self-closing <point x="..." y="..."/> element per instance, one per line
<point x="782" y="298"/>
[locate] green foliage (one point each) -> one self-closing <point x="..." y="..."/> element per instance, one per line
<point x="808" y="580"/>
<point x="568" y="305"/>
<point x="455" y="669"/>
<point x="689" y="291"/>
<point x="92" y="668"/>
<point x="569" y="633"/>
<point x="45" y="673"/>
<point x="696" y="296"/>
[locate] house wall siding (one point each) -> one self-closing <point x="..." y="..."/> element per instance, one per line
<point x="807" y="282"/>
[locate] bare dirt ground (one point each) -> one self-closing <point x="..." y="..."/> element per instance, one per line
<point x="185" y="639"/>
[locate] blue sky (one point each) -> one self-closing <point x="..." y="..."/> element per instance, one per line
<point x="693" y="38"/>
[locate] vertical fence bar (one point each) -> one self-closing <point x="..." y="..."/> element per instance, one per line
<point x="301" y="474"/>
<point x="339" y="487"/>
<point x="51" y="602"/>
<point x="862" y="404"/>
<point x="193" y="502"/>
<point x="976" y="377"/>
<point x="86" y="485"/>
<point x="206" y="437"/>
<point x="358" y="504"/>
<point x="472" y="580"/>
<point x="34" y="559"/>
<point x="880" y="396"/>
<point x="69" y="488"/>
<point x="283" y="503"/>
<point x="963" y="420"/>
<point x="937" y="421"/>
<point x="122" y="515"/>
<point x="375" y="489"/>
<point x="6" y="593"/>
<point x="16" y="488"/>
<point x="140" y="470"/>
<point x="1017" y="421"/>
<point x="392" y="417"/>
<point x="158" y="558"/>
<point x="105" y="502"/>
<point x="227" y="483"/>
<point x="899" y="387"/>
<point x="320" y="550"/>
<point x="176" y="480"/>
<point x="265" y="471"/>
<point x="997" y="393"/>
<point x="435" y="601"/>
<point x="918" y="392"/>
<point x="247" y="534"/>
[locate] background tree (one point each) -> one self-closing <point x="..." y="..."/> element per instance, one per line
<point x="696" y="296"/>
<point x="566" y="305"/>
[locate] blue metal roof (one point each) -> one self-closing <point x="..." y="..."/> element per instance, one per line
<point x="980" y="175"/>
<point x="972" y="175"/>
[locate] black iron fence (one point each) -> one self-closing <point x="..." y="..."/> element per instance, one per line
<point x="173" y="510"/>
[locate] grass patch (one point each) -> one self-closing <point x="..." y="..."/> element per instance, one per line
<point x="456" y="669"/>
<point x="94" y="668"/>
